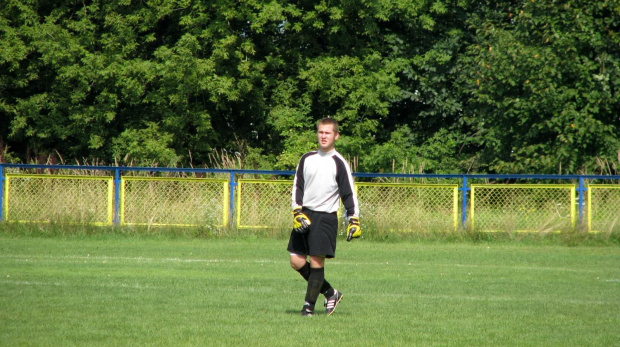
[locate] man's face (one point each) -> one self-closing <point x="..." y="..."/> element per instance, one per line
<point x="327" y="137"/>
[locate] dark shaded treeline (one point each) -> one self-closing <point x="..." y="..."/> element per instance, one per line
<point x="418" y="86"/>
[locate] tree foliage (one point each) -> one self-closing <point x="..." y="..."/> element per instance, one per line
<point x="542" y="79"/>
<point x="520" y="86"/>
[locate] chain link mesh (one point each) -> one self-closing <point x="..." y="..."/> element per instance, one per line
<point x="53" y="198"/>
<point x="603" y="202"/>
<point x="174" y="201"/>
<point x="522" y="207"/>
<point x="407" y="207"/>
<point x="264" y="204"/>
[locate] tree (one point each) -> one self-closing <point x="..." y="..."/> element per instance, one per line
<point x="542" y="80"/>
<point x="417" y="85"/>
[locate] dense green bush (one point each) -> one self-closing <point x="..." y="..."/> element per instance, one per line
<point x="418" y="86"/>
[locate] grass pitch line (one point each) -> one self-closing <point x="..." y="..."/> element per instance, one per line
<point x="64" y="284"/>
<point x="30" y="283"/>
<point x="285" y="261"/>
<point x="137" y="259"/>
<point x="519" y="267"/>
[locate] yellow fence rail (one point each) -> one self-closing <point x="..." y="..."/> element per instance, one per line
<point x="58" y="198"/>
<point x="158" y="201"/>
<point x="408" y="207"/>
<point x="264" y="204"/>
<point x="402" y="207"/>
<point x="522" y="207"/>
<point x="603" y="207"/>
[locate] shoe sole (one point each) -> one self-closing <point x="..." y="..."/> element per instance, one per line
<point x="336" y="304"/>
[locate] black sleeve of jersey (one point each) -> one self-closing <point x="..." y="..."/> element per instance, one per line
<point x="345" y="187"/>
<point x="299" y="181"/>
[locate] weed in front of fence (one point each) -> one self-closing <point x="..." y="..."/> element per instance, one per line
<point x="573" y="237"/>
<point x="548" y="235"/>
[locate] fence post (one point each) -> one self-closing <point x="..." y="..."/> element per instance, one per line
<point x="117" y="190"/>
<point x="464" y="190"/>
<point x="582" y="189"/>
<point x="1" y="192"/>
<point x="231" y="207"/>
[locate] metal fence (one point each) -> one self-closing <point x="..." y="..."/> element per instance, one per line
<point x="603" y="207"/>
<point x="263" y="203"/>
<point x="173" y="201"/>
<point x="523" y="207"/>
<point x="223" y="198"/>
<point x="45" y="198"/>
<point x="406" y="206"/>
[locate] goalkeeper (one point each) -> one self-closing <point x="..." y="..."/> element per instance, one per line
<point x="322" y="179"/>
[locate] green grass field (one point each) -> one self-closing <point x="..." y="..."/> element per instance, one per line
<point x="119" y="290"/>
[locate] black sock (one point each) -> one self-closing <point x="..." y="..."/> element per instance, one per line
<point x="326" y="289"/>
<point x="315" y="282"/>
<point x="304" y="271"/>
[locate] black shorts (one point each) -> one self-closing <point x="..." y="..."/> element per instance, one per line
<point x="320" y="239"/>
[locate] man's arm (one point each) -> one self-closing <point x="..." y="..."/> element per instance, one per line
<point x="346" y="188"/>
<point x="297" y="197"/>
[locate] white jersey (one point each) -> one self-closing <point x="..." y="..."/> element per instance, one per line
<point x="321" y="181"/>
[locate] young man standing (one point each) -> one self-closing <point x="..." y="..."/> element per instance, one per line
<point x="322" y="179"/>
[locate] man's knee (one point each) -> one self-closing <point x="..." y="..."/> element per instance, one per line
<point x="297" y="261"/>
<point x="317" y="261"/>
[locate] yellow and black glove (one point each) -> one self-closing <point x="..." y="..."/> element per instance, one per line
<point x="354" y="230"/>
<point x="301" y="222"/>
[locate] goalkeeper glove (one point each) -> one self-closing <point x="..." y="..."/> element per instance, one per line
<point x="354" y="230"/>
<point x="301" y="222"/>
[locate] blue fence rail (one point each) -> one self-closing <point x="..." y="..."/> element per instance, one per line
<point x="464" y="180"/>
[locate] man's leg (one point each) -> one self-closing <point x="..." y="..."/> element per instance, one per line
<point x="298" y="262"/>
<point x="315" y="280"/>
<point x="302" y="266"/>
<point x="317" y="276"/>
